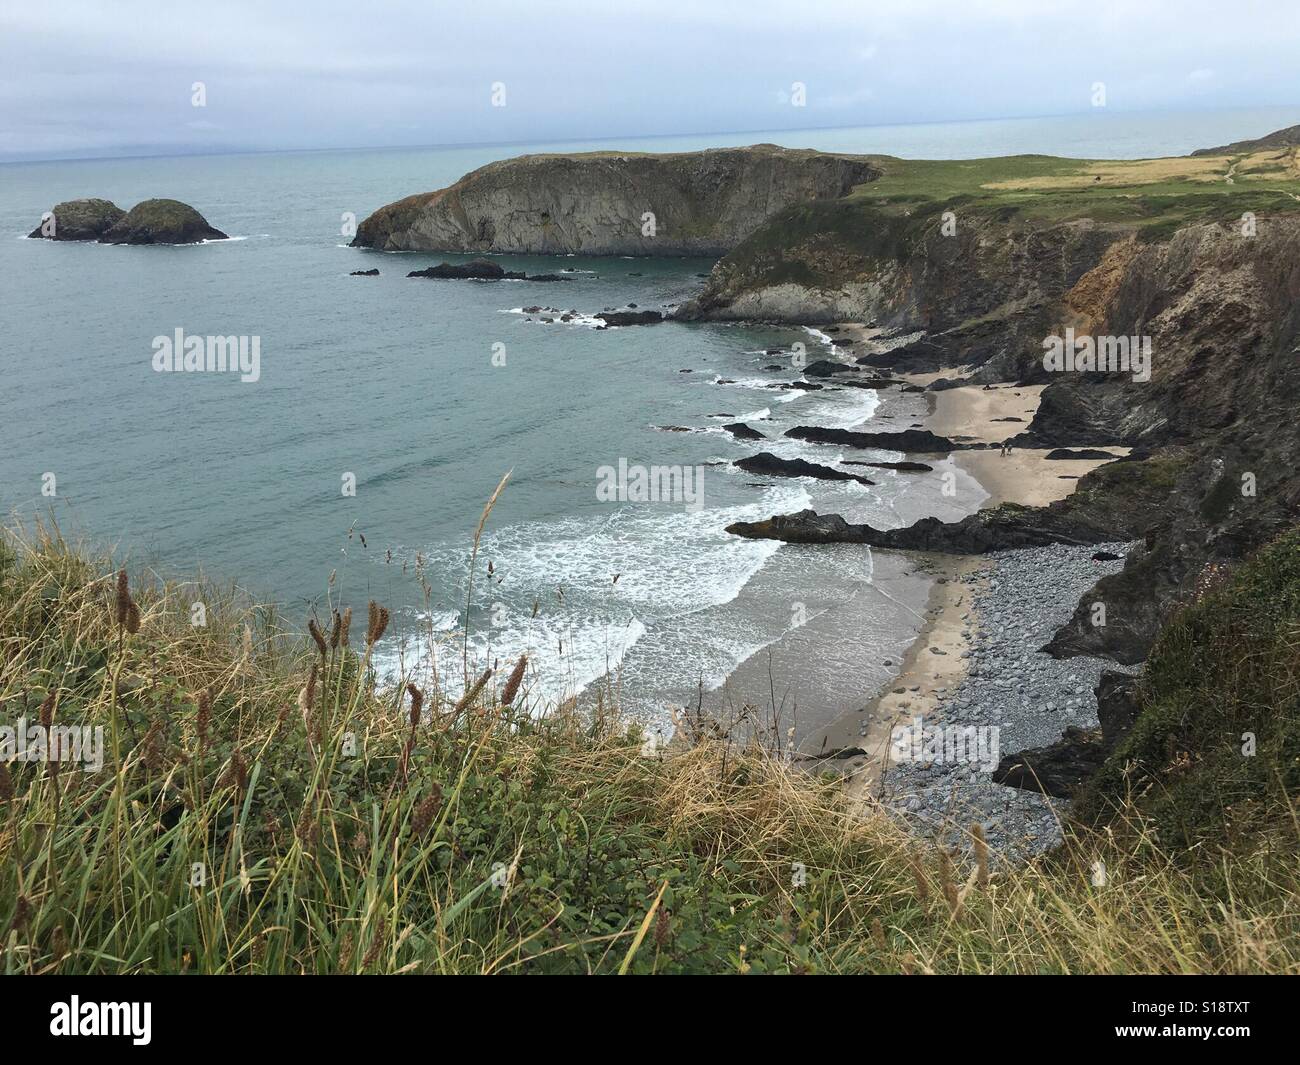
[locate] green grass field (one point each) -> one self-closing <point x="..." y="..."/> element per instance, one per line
<point x="1044" y="189"/>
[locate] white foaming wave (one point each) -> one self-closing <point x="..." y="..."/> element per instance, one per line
<point x="819" y="336"/>
<point x="586" y="320"/>
<point x="577" y="645"/>
<point x="841" y="410"/>
<point x="743" y="382"/>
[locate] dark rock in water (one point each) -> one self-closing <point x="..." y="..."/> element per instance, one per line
<point x="826" y="368"/>
<point x="160" y="222"/>
<point x="805" y="527"/>
<point x="474" y="270"/>
<point x="772" y="367"/>
<point x="364" y="273"/>
<point x="846" y="382"/>
<point x="901" y="467"/>
<point x="674" y="428"/>
<point x="907" y="440"/>
<point x="802" y="386"/>
<point x="1079" y="453"/>
<point x="545" y="277"/>
<point x="613" y="318"/>
<point x="1106" y="556"/>
<point x="767" y="463"/>
<point x="1057" y="769"/>
<point x="741" y="431"/>
<point x="79" y="220"/>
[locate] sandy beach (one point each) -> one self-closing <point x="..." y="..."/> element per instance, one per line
<point x="936" y="661"/>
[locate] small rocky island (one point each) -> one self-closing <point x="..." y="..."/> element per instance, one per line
<point x="149" y="222"/>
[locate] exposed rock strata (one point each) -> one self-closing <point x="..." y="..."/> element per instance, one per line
<point x="701" y="203"/>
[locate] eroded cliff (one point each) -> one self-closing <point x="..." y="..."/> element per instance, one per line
<point x="607" y="203"/>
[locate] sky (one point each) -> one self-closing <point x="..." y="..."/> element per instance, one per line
<point x="80" y="78"/>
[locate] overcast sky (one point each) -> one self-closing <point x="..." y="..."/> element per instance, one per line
<point x="83" y="78"/>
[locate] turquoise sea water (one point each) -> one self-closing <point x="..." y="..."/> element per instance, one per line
<point x="393" y="380"/>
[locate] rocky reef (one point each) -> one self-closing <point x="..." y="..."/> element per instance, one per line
<point x="608" y="203"/>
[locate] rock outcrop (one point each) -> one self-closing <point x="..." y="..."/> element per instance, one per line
<point x="1058" y="769"/>
<point x="161" y="222"/>
<point x="79" y="220"/>
<point x="774" y="466"/>
<point x="606" y="203"/>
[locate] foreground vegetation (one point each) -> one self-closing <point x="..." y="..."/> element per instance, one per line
<point x="264" y="807"/>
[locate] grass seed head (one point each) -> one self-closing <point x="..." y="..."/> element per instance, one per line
<point x="512" y="684"/>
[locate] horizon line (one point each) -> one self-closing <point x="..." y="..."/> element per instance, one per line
<point x="449" y="145"/>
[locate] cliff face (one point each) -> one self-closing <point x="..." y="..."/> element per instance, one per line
<point x="1214" y="475"/>
<point x="988" y="288"/>
<point x="703" y="203"/>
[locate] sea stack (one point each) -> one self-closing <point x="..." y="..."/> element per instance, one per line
<point x="86" y="219"/>
<point x="161" y="222"/>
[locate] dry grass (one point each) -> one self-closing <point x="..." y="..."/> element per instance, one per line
<point x="471" y="836"/>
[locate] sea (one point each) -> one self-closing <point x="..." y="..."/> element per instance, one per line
<point x="388" y="410"/>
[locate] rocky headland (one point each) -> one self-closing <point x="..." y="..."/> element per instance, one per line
<point x="613" y="203"/>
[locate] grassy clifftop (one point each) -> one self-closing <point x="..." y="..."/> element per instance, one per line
<point x="883" y="222"/>
<point x="264" y="807"/>
<point x="1215" y="754"/>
